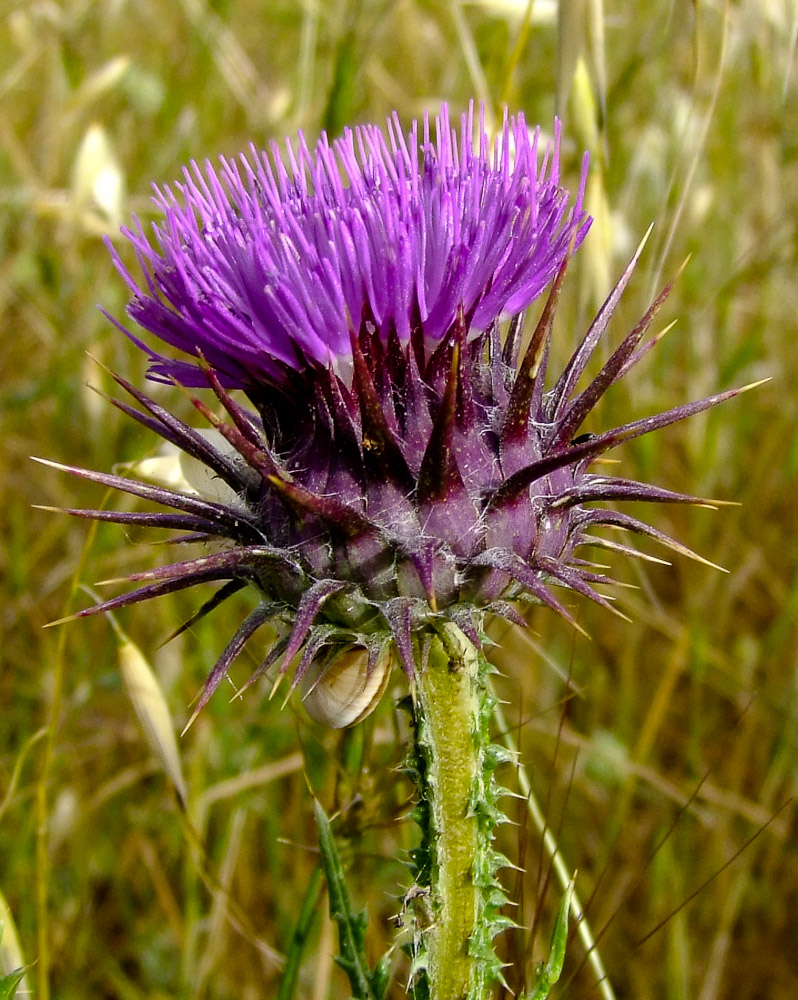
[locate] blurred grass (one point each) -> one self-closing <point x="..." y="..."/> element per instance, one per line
<point x="679" y="744"/>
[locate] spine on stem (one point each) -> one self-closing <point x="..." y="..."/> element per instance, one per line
<point x="453" y="763"/>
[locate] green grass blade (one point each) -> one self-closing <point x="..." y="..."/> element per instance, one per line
<point x="299" y="938"/>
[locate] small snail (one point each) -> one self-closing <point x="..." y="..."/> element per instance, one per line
<point x="338" y="689"/>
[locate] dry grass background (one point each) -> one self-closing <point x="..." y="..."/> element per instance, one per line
<point x="675" y="747"/>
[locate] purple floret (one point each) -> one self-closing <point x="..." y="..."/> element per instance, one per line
<point x="258" y="268"/>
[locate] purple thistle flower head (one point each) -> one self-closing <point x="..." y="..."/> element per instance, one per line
<point x="399" y="461"/>
<point x="257" y="269"/>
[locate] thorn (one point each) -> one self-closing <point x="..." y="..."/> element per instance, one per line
<point x="276" y="684"/>
<point x="617" y="611"/>
<point x="237" y="692"/>
<point x="754" y="385"/>
<point x="191" y="721"/>
<point x="659" y="336"/>
<point x="625" y="550"/>
<point x="68" y="618"/>
<point x="643" y="242"/>
<point x="51" y="464"/>
<point x="574" y="624"/>
<point x="676" y="547"/>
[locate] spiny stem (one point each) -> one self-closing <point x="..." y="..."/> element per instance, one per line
<point x="457" y="899"/>
<point x="447" y="696"/>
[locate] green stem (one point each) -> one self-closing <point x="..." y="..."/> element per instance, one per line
<point x="457" y="900"/>
<point x="448" y="703"/>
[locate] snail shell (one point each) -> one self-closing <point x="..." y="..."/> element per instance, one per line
<point x="339" y="691"/>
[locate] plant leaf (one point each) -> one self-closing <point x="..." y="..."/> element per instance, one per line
<point x="548" y="972"/>
<point x="366" y="985"/>
<point x="290" y="978"/>
<point x="9" y="983"/>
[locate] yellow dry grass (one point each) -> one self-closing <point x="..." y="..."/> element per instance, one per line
<point x="664" y="753"/>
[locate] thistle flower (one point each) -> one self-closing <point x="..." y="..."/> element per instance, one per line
<point x="397" y="458"/>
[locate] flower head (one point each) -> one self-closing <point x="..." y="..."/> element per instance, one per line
<point x="400" y="460"/>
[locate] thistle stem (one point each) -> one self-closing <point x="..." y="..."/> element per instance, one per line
<point x="449" y="757"/>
